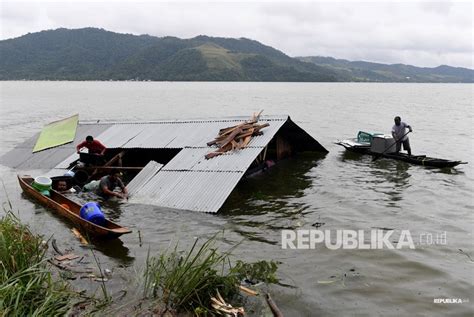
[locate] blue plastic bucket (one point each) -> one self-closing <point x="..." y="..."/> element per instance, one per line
<point x="91" y="212"/>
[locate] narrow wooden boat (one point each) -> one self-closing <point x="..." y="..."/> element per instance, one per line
<point x="363" y="144"/>
<point x="422" y="160"/>
<point x="109" y="230"/>
<point x="414" y="159"/>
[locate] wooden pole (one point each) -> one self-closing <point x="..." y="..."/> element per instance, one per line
<point x="275" y="310"/>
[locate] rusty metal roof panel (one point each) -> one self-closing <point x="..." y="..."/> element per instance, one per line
<point x="193" y="159"/>
<point x="191" y="190"/>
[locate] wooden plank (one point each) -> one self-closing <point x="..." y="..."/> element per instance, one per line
<point x="246" y="141"/>
<point x="230" y="137"/>
<point x="236" y="137"/>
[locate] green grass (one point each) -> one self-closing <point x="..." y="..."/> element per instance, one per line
<point x="173" y="281"/>
<point x="186" y="281"/>
<point x="26" y="285"/>
<point x="218" y="57"/>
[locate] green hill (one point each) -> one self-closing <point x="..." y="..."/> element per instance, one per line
<point x="375" y="72"/>
<point x="96" y="54"/>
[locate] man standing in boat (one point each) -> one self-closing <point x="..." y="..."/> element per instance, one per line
<point x="400" y="135"/>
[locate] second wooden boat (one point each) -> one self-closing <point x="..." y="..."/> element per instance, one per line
<point x="363" y="144"/>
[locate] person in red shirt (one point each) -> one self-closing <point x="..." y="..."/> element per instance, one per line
<point x="94" y="146"/>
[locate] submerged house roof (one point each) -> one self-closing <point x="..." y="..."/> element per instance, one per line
<point x="188" y="180"/>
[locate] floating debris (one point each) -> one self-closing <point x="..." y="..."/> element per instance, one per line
<point x="70" y="256"/>
<point x="79" y="236"/>
<point x="221" y="306"/>
<point x="248" y="291"/>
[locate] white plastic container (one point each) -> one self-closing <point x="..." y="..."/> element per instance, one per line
<point x="382" y="143"/>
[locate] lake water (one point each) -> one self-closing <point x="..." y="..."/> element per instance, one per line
<point x="338" y="191"/>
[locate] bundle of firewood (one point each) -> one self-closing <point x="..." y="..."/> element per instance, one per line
<point x="236" y="137"/>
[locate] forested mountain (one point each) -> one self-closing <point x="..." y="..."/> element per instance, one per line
<point x="97" y="54"/>
<point x="375" y="72"/>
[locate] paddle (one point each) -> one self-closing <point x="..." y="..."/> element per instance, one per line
<point x="376" y="157"/>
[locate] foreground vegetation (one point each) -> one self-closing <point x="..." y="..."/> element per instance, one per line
<point x="201" y="280"/>
<point x="26" y="284"/>
<point x="192" y="280"/>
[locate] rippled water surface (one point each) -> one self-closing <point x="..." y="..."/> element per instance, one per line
<point x="332" y="192"/>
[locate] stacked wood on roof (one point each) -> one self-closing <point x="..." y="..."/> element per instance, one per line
<point x="237" y="136"/>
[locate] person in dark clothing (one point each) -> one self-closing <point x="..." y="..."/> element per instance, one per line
<point x="108" y="184"/>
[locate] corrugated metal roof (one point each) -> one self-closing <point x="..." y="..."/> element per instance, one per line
<point x="22" y="157"/>
<point x="192" y="159"/>
<point x="179" y="134"/>
<point x="188" y="181"/>
<point x="174" y="134"/>
<point x="152" y="134"/>
<point x="191" y="190"/>
<point x="117" y="136"/>
<point x="143" y="177"/>
<point x="226" y="120"/>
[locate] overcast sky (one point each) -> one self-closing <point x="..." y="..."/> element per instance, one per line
<point x="421" y="33"/>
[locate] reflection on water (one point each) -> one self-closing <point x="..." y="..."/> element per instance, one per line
<point x="273" y="190"/>
<point x="386" y="176"/>
<point x="114" y="248"/>
<point x="353" y="156"/>
<point x="392" y="178"/>
<point x="272" y="200"/>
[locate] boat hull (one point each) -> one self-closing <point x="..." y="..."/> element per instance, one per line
<point x="109" y="230"/>
<point x="352" y="146"/>
<point x="421" y="160"/>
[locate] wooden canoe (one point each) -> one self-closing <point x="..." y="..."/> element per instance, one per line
<point x="109" y="230"/>
<point x="362" y="148"/>
<point x="422" y="160"/>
